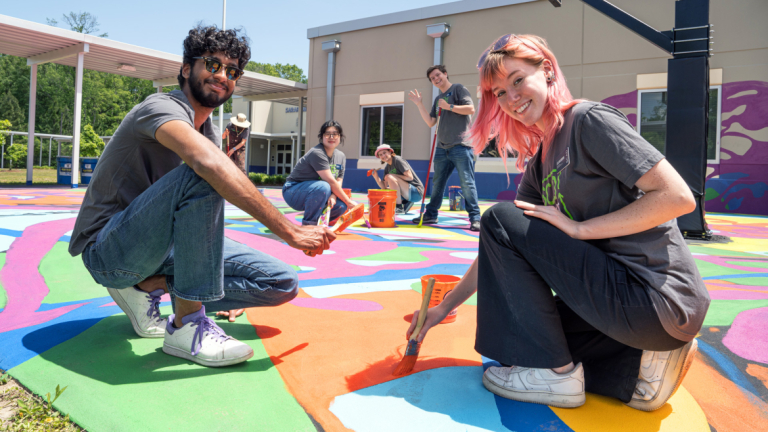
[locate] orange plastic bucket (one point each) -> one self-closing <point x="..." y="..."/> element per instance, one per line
<point x="381" y="207"/>
<point x="444" y="284"/>
<point x="348" y="192"/>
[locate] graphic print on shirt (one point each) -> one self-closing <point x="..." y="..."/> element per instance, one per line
<point x="551" y="186"/>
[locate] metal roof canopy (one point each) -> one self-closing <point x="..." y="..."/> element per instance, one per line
<point x="40" y="43"/>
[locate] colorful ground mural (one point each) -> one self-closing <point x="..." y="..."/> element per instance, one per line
<point x="324" y="361"/>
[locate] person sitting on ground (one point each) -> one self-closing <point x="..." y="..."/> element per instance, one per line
<point x="400" y="177"/>
<point x="594" y="221"/>
<point x="152" y="219"/>
<point x="315" y="182"/>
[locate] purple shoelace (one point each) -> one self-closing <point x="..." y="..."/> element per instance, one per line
<point x="154" y="305"/>
<point x="206" y="325"/>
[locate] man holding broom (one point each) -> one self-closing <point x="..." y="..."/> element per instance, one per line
<point x="454" y="107"/>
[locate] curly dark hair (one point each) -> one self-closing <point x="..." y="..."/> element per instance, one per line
<point x="211" y="39"/>
<point x="329" y="124"/>
<point x="441" y="68"/>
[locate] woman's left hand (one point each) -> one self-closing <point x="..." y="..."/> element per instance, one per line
<point x="552" y="215"/>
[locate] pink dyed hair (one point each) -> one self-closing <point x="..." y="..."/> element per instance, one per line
<point x="492" y="122"/>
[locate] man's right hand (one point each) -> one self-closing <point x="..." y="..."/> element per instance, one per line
<point x="415" y="97"/>
<point x="311" y="238"/>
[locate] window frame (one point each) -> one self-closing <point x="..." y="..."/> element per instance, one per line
<point x="718" y="127"/>
<point x="381" y="129"/>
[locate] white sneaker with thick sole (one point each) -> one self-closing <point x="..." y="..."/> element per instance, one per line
<point x="541" y="386"/>
<point x="142" y="308"/>
<point x="661" y="373"/>
<point x="200" y="340"/>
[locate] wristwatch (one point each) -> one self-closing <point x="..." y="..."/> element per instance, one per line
<point x="451" y="107"/>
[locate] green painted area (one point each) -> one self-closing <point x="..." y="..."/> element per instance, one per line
<point x="713" y="250"/>
<point x="748" y="281"/>
<point x="401" y="254"/>
<point x="472" y="301"/>
<point x="723" y="312"/>
<point x="707" y="269"/>
<point x="120" y="382"/>
<point x="3" y="296"/>
<point x="756" y="264"/>
<point x="67" y="278"/>
<point x="710" y="193"/>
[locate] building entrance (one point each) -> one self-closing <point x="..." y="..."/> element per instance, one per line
<point x="283" y="164"/>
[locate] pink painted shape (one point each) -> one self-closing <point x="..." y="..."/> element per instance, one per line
<point x="746" y="337"/>
<point x="329" y="265"/>
<point x="737" y="295"/>
<point x="724" y="262"/>
<point x="23" y="283"/>
<point x="347" y="305"/>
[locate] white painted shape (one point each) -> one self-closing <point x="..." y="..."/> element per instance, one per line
<point x="464" y="255"/>
<point x="305" y="268"/>
<point x="325" y="291"/>
<point x="19" y="223"/>
<point x="5" y="242"/>
<point x="22" y="197"/>
<point x="367" y="263"/>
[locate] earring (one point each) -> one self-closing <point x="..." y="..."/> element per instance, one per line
<point x="550" y="78"/>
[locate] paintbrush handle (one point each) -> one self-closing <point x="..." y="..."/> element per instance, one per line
<point x="427" y="295"/>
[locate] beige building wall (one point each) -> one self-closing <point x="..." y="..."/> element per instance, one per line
<point x="599" y="57"/>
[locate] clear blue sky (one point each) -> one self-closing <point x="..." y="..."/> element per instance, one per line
<point x="277" y="29"/>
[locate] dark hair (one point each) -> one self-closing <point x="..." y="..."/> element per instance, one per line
<point x="210" y="39"/>
<point x="441" y="68"/>
<point x="328" y="124"/>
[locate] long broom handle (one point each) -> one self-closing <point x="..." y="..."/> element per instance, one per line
<point x="431" y="156"/>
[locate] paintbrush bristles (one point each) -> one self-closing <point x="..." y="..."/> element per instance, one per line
<point x="412" y="349"/>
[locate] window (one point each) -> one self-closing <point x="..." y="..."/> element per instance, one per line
<point x="652" y="124"/>
<point x="373" y="134"/>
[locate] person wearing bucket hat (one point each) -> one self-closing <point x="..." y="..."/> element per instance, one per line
<point x="316" y="180"/>
<point x="237" y="135"/>
<point x="593" y="222"/>
<point x="398" y="176"/>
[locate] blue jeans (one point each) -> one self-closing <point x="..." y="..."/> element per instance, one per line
<point x="414" y="195"/>
<point x="462" y="158"/>
<point x="312" y="197"/>
<point x="178" y="224"/>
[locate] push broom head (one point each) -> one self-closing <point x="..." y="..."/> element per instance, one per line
<point x="412" y="351"/>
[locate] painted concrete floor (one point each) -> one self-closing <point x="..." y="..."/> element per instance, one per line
<point x="324" y="361"/>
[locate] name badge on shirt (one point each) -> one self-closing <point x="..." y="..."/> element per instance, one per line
<point x="564" y="160"/>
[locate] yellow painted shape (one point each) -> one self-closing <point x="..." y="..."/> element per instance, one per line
<point x="603" y="414"/>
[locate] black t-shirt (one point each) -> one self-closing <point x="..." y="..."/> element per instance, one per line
<point x="591" y="170"/>
<point x="400" y="166"/>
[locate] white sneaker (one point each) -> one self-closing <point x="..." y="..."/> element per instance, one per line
<point x="541" y="386"/>
<point x="200" y="340"/>
<point x="142" y="308"/>
<point x="661" y="373"/>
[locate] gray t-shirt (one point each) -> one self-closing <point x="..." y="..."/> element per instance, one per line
<point x="452" y="126"/>
<point x="133" y="161"/>
<point x="400" y="166"/>
<point x="591" y="170"/>
<point x="316" y="160"/>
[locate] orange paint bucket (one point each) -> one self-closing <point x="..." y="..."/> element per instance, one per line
<point x="444" y="284"/>
<point x="348" y="192"/>
<point x="381" y="207"/>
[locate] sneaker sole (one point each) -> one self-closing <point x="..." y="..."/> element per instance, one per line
<point x="177" y="352"/>
<point x="118" y="298"/>
<point x="550" y="399"/>
<point x="682" y="362"/>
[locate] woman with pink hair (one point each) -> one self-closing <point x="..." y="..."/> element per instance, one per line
<point x="594" y="222"/>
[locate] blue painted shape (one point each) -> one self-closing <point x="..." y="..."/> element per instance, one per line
<point x="10" y="233"/>
<point x="757" y="189"/>
<point x="733" y="204"/>
<point x="728" y="368"/>
<point x="20" y="345"/>
<point x="64" y="238"/>
<point x="737" y="276"/>
<point x="390" y="275"/>
<point x="522" y="416"/>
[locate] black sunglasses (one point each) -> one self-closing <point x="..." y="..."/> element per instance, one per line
<point x="213" y="66"/>
<point x="496" y="47"/>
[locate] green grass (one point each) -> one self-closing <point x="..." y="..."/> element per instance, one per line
<point x="19" y="176"/>
<point x="27" y="412"/>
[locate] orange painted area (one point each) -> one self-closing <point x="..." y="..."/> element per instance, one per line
<point x="321" y="354"/>
<point x="758" y="372"/>
<point x="727" y="407"/>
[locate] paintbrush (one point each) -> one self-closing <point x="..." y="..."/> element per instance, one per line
<point x="412" y="350"/>
<point x="343" y="222"/>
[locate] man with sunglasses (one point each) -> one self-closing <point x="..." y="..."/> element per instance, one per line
<point x="152" y="219"/>
<point x="453" y="150"/>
